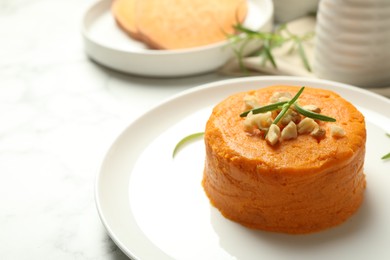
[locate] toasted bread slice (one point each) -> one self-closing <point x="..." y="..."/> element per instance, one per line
<point x="177" y="24"/>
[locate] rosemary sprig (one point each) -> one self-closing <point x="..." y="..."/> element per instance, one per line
<point x="269" y="41"/>
<point x="263" y="109"/>
<point x="298" y="43"/>
<point x="185" y="140"/>
<point x="386" y="156"/>
<point x="284" y="105"/>
<point x="287" y="106"/>
<point x="302" y="53"/>
<point x="313" y="115"/>
<point x="267" y="52"/>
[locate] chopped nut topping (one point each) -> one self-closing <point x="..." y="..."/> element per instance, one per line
<point x="312" y="108"/>
<point x="306" y="126"/>
<point x="262" y="120"/>
<point x="251" y="102"/>
<point x="280" y="96"/>
<point x="290" y="115"/>
<point x="318" y="132"/>
<point x="279" y="121"/>
<point x="273" y="134"/>
<point x="290" y="131"/>
<point x="249" y="122"/>
<point x="337" y="131"/>
<point x="284" y="99"/>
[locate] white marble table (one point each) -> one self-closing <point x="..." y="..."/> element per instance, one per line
<point x="59" y="113"/>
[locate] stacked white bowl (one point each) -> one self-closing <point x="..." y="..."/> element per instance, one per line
<point x="353" y="42"/>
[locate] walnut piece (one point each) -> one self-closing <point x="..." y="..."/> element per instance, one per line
<point x="251" y="102"/>
<point x="306" y="126"/>
<point x="337" y="131"/>
<point x="273" y="134"/>
<point x="289" y="132"/>
<point x="280" y="97"/>
<point x="261" y="120"/>
<point x="313" y="108"/>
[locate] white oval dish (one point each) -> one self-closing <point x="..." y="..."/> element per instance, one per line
<point x="154" y="206"/>
<point x="108" y="45"/>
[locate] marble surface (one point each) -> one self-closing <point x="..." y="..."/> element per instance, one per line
<point x="59" y="114"/>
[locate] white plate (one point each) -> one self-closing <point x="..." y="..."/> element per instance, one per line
<point x="108" y="45"/>
<point x="154" y="207"/>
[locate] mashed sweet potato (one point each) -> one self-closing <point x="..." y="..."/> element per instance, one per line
<point x="178" y="24"/>
<point x="301" y="185"/>
<point x="124" y="13"/>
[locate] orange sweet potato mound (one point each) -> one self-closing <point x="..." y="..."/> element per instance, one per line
<point x="299" y="186"/>
<point x="178" y="24"/>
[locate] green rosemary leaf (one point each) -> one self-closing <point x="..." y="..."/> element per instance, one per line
<point x="268" y="41"/>
<point x="263" y="109"/>
<point x="287" y="106"/>
<point x="268" y="54"/>
<point x="303" y="55"/>
<point x="240" y="28"/>
<point x="185" y="140"/>
<point x="385" y="157"/>
<point x="281" y="27"/>
<point x="307" y="36"/>
<point x="295" y="98"/>
<point x="281" y="114"/>
<point x="313" y="115"/>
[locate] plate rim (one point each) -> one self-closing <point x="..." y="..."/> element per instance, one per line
<point x="188" y="92"/>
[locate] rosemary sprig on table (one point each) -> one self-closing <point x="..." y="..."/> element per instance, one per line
<point x="269" y="41"/>
<point x="386" y="156"/>
<point x="186" y="140"/>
